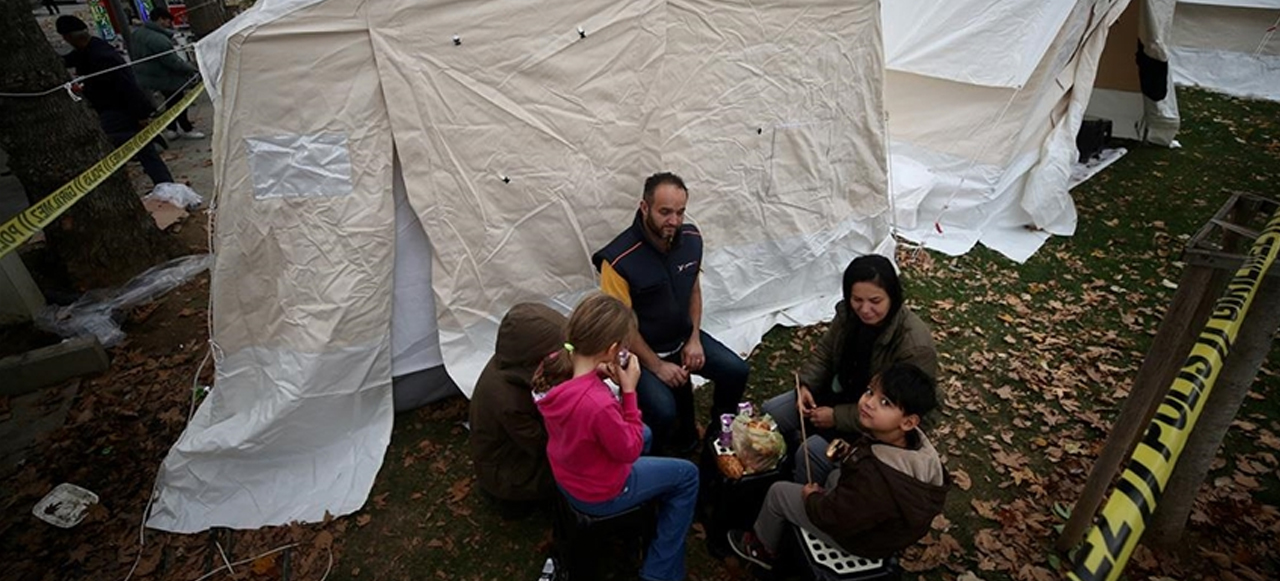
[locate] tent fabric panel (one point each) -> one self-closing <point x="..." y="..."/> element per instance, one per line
<point x="780" y="132"/>
<point x="1225" y="28"/>
<point x="1227" y="48"/>
<point x="522" y="150"/>
<point x="415" y="338"/>
<point x="1233" y="3"/>
<point x="260" y="457"/>
<point x="994" y="44"/>
<point x="300" y="412"/>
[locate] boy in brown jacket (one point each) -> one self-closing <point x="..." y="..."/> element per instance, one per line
<point x="890" y="484"/>
<point x="508" y="440"/>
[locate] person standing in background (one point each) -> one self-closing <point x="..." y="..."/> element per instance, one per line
<point x="168" y="74"/>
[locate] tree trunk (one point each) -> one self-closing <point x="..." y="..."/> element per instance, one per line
<point x="205" y="16"/>
<point x="107" y="237"/>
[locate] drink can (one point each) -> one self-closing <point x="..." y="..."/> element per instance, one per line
<point x="726" y="430"/>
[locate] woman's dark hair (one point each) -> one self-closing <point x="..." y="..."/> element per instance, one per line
<point x="877" y="270"/>
<point x="909" y="388"/>
<point x="597" y="323"/>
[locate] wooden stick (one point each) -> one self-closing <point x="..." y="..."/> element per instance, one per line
<point x="804" y="438"/>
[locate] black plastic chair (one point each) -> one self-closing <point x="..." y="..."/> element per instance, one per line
<point x="582" y="539"/>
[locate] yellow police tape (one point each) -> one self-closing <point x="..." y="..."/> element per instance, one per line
<point x="23" y="226"/>
<point x="1124" y="517"/>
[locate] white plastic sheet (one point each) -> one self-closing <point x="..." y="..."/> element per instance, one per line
<point x="95" y="313"/>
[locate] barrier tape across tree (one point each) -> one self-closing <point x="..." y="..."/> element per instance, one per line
<point x="1123" y="519"/>
<point x="25" y="225"/>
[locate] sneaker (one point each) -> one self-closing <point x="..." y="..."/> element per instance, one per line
<point x="193" y="135"/>
<point x="169" y="134"/>
<point x="747" y="546"/>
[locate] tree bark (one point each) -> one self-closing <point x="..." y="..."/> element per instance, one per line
<point x="205" y="16"/>
<point x="107" y="237"/>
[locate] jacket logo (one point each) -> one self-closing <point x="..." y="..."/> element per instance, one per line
<point x="686" y="265"/>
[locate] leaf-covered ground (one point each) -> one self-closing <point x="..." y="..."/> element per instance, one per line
<point x="1037" y="359"/>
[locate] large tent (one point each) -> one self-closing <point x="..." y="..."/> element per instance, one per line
<point x="984" y="100"/>
<point x="522" y="132"/>
<point x="1231" y="46"/>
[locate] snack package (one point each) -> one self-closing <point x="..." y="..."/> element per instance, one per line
<point x="729" y="466"/>
<point x="757" y="443"/>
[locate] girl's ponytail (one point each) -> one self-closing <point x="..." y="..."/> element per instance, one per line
<point x="597" y="323"/>
<point x="555" y="369"/>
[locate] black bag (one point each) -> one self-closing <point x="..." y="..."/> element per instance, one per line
<point x="1093" y="136"/>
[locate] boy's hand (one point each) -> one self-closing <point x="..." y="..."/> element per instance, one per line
<point x="823" y="417"/>
<point x="810" y="488"/>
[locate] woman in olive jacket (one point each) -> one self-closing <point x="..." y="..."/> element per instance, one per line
<point x="872" y="330"/>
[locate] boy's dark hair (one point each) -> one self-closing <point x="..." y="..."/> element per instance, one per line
<point x="161" y="14"/>
<point x="652" y="182"/>
<point x="909" y="388"/>
<point x="67" y="24"/>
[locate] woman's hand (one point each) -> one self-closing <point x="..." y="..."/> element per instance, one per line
<point x="810" y="488"/>
<point x="805" y="401"/>
<point x="823" y="417"/>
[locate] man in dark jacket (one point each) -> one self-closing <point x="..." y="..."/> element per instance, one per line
<point x="654" y="267"/>
<point x="168" y="75"/>
<point x="123" y="109"/>
<point x="882" y="499"/>
<point x="508" y="440"/>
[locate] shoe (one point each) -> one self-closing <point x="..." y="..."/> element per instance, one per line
<point x="747" y="546"/>
<point x="193" y="135"/>
<point x="169" y="134"/>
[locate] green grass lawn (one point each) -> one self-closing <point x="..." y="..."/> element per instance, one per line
<point x="1037" y="359"/>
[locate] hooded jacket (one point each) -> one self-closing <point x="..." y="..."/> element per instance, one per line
<point x="904" y="339"/>
<point x="166" y="74"/>
<point x="886" y="497"/>
<point x="508" y="440"/>
<point x="592" y="438"/>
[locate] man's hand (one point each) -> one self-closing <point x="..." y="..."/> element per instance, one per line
<point x="823" y="417"/>
<point x="809" y="489"/>
<point x="671" y="374"/>
<point x="692" y="355"/>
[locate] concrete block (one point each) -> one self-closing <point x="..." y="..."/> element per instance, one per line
<point x="20" y="298"/>
<point x="34" y="369"/>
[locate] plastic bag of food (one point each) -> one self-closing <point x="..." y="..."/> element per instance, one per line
<point x="757" y="443"/>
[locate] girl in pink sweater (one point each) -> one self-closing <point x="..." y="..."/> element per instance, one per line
<point x="595" y="441"/>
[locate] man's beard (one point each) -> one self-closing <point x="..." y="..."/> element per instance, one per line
<point x="656" y="230"/>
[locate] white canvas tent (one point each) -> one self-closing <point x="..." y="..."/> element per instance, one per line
<point x="523" y="131"/>
<point x="984" y="100"/>
<point x="1230" y="46"/>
